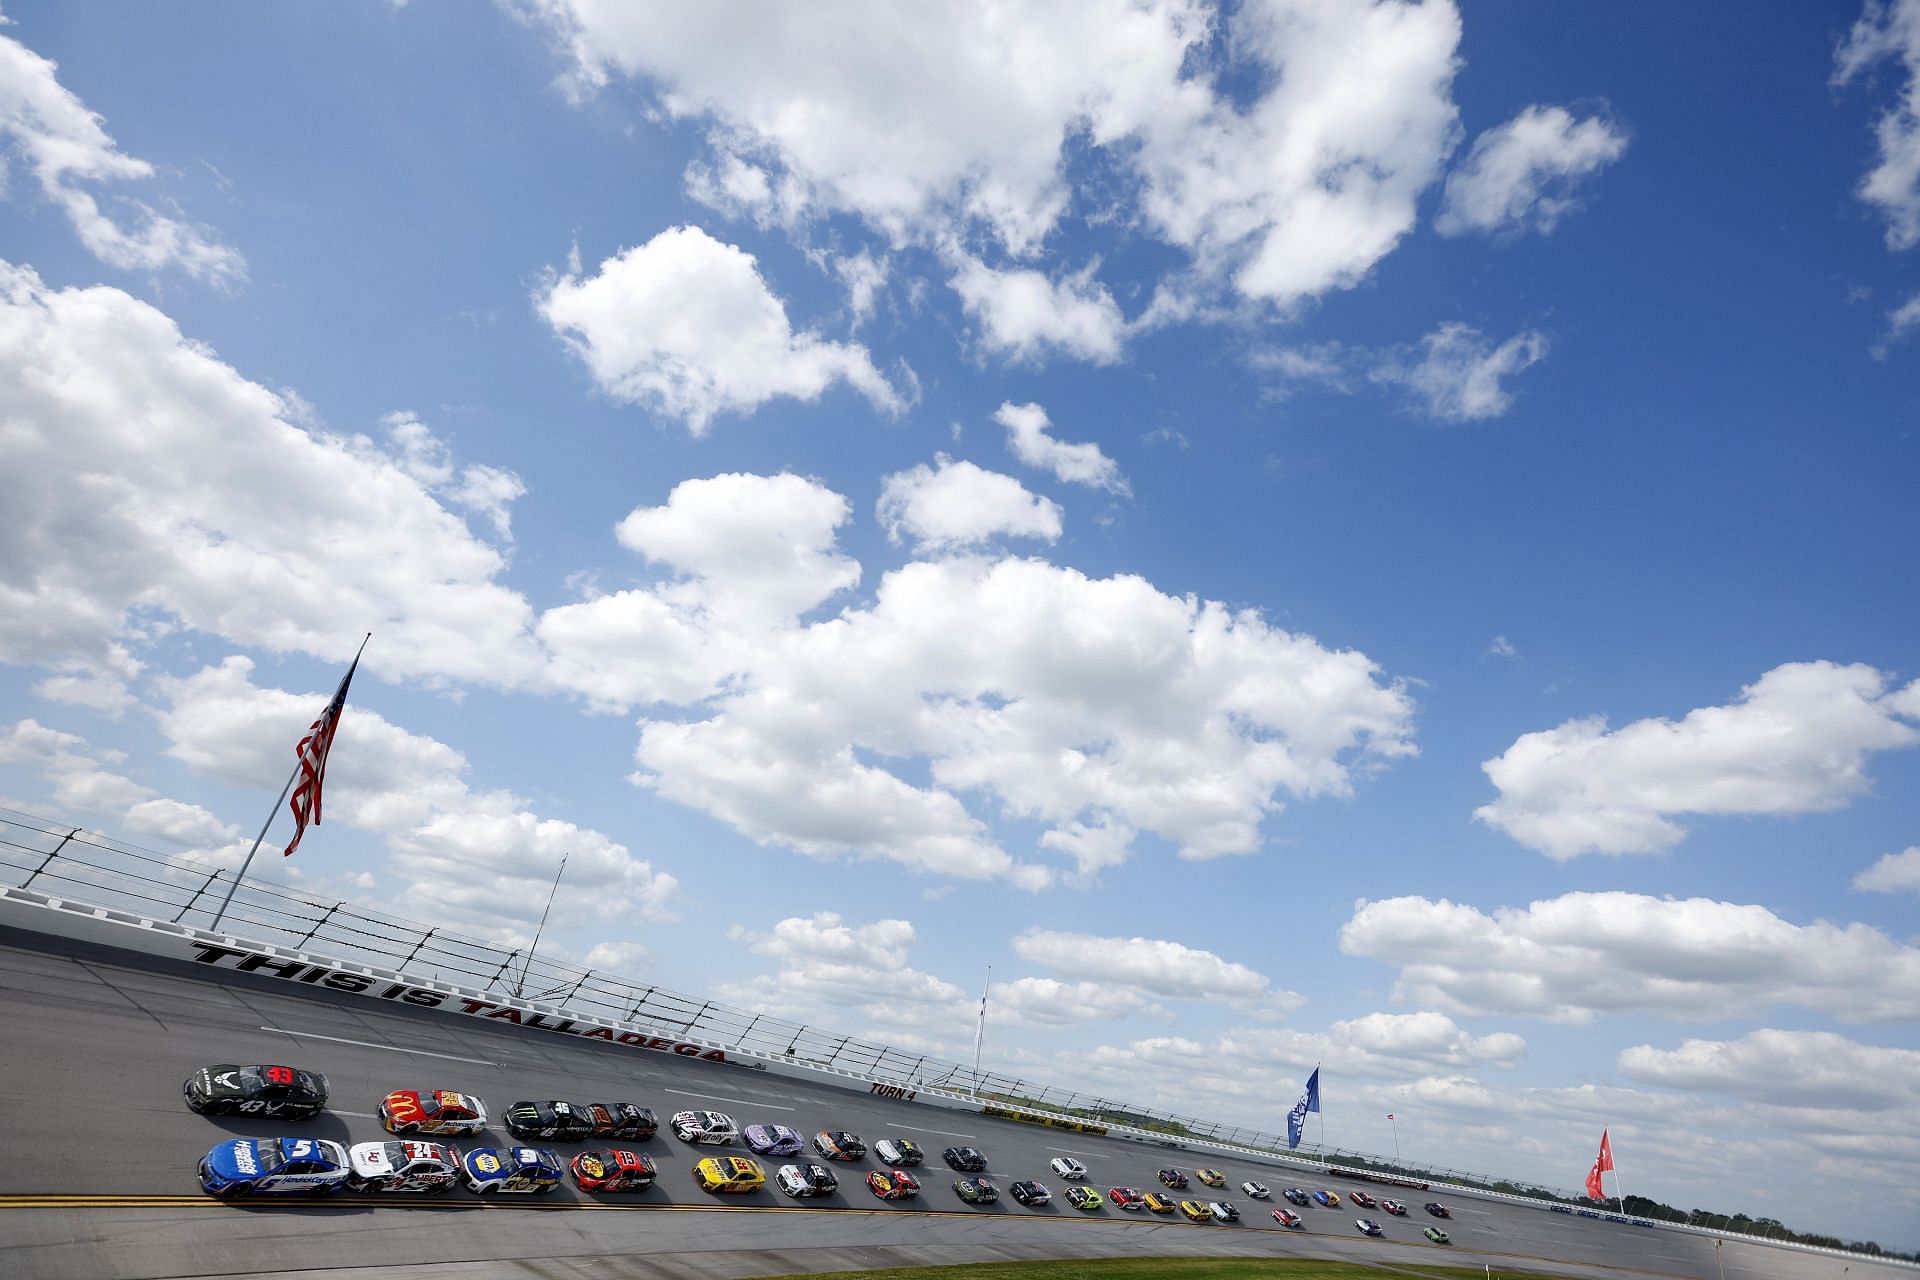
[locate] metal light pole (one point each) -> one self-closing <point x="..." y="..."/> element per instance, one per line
<point x="1395" y="1126"/>
<point x="520" y="987"/>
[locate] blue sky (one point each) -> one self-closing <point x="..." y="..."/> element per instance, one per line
<point x="1112" y="500"/>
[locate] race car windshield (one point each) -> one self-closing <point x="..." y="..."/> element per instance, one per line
<point x="270" y="1158"/>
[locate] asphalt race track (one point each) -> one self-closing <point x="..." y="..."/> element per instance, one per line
<point x="99" y="1152"/>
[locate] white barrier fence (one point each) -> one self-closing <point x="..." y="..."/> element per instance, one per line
<point x="655" y="1021"/>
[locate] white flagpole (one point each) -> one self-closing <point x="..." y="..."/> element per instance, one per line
<point x="1321" y="1111"/>
<point x="980" y="1031"/>
<point x="1619" y="1190"/>
<point x="520" y="988"/>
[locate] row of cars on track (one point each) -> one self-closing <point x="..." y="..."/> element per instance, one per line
<point x="317" y="1166"/>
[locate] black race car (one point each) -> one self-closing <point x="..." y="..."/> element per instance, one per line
<point x="558" y="1121"/>
<point x="1174" y="1179"/>
<point x="965" y="1159"/>
<point x="285" y="1093"/>
<point x="622" y="1120"/>
<point x="1437" y="1209"/>
<point x="1030" y="1193"/>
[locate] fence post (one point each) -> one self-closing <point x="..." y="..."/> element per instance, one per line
<point x="194" y="901"/>
<point x="511" y="957"/>
<point x="794" y="1044"/>
<point x="836" y="1050"/>
<point x="576" y="987"/>
<point x="318" y="925"/>
<point x="50" y="857"/>
<point x="416" y="946"/>
<point x="698" y="1014"/>
<point x="633" y="1014"/>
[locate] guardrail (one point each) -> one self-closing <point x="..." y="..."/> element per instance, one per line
<point x="178" y="895"/>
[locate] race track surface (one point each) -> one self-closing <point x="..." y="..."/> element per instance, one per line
<point x="98" y="1177"/>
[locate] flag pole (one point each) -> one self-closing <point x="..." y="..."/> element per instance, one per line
<point x="284" y="793"/>
<point x="980" y="1030"/>
<point x="271" y="815"/>
<point x="1619" y="1190"/>
<point x="1395" y="1126"/>
<point x="521" y="987"/>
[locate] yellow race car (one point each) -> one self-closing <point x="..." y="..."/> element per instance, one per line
<point x="731" y="1175"/>
<point x="1212" y="1177"/>
<point x="1159" y="1203"/>
<point x="1195" y="1211"/>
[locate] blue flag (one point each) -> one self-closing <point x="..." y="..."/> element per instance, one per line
<point x="1309" y="1101"/>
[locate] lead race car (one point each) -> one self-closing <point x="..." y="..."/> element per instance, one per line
<point x="284" y="1093"/>
<point x="402" y="1166"/>
<point x="274" y="1166"/>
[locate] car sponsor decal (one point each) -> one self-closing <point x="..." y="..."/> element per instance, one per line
<point x="1052" y="1122"/>
<point x="242" y="961"/>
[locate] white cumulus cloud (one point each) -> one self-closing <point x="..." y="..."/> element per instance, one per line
<point x="1024" y="316"/>
<point x="1893" y="873"/>
<point x="957" y="504"/>
<point x="1816" y="1069"/>
<point x="687" y="326"/>
<point x="1795" y="741"/>
<point x="1157" y="966"/>
<point x="1524" y="175"/>
<point x="1575" y="957"/>
<point x="1890" y="32"/>
<point x="1027" y="427"/>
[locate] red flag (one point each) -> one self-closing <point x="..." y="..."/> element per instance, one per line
<point x="1389" y="1115"/>
<point x="1602" y="1163"/>
<point x="312" y="755"/>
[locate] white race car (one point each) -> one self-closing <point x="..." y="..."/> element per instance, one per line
<point x="802" y="1181"/>
<point x="714" y="1128"/>
<point x="402" y="1166"/>
<point x="898" y="1152"/>
<point x="1223" y="1211"/>
<point x="1254" y="1189"/>
<point x="1068" y="1168"/>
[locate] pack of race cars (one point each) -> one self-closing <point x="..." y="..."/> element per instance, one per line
<point x="285" y="1166"/>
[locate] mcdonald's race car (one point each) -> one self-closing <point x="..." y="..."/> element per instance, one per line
<point x="274" y="1166"/>
<point x="622" y="1120"/>
<point x="838" y="1144"/>
<point x="1195" y="1211"/>
<point x="964" y="1159"/>
<point x="1437" y="1209"/>
<point x="613" y="1169"/>
<point x="1067" y="1167"/>
<point x="1158" y="1203"/>
<point x="1367" y="1226"/>
<point x="432" y="1111"/>
<point x="898" y="1152"/>
<point x="1295" y="1195"/>
<point x="1173" y="1179"/>
<point x="1327" y="1199"/>
<point x="805" y="1180"/>
<point x="554" y="1121"/>
<point x="711" y="1128"/>
<point x="401" y="1166"/>
<point x="1030" y="1193"/>
<point x="1212" y="1177"/>
<point x="532" y="1171"/>
<point x="893" y="1184"/>
<point x="773" y="1140"/>
<point x="976" y="1190"/>
<point x="1394" y="1207"/>
<point x="1084" y="1198"/>
<point x="1257" y="1190"/>
<point x="729" y="1175"/>
<point x="1287" y="1219"/>
<point x="284" y="1093"/>
<point x="1436" y="1235"/>
<point x="1362" y="1199"/>
<point x="1126" y="1198"/>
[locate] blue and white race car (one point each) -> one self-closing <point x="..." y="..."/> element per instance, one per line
<point x="519" y="1170"/>
<point x="773" y="1140"/>
<point x="275" y="1166"/>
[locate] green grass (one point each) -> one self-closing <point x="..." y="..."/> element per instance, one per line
<point x="1155" y="1268"/>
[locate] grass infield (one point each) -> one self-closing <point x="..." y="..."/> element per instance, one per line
<point x="1175" y="1268"/>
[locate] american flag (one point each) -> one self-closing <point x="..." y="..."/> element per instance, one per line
<point x="312" y="756"/>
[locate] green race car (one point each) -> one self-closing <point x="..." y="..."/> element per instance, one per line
<point x="976" y="1190"/>
<point x="1438" y="1236"/>
<point x="1084" y="1198"/>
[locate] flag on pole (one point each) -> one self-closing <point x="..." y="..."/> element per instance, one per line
<point x="312" y="757"/>
<point x="1602" y="1163"/>
<point x="1389" y="1115"/>
<point x="1309" y="1101"/>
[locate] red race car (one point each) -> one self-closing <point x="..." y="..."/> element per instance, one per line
<point x="893" y="1184"/>
<point x="432" y="1111"/>
<point x="1127" y="1198"/>
<point x="615" y="1169"/>
<point x="1362" y="1198"/>
<point x="1286" y="1219"/>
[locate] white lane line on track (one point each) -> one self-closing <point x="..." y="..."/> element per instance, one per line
<point x="367" y="1044"/>
<point x="1070" y="1151"/>
<point x="920" y="1128"/>
<point x="738" y="1102"/>
<point x="357" y="1115"/>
